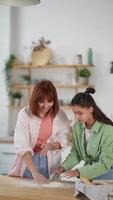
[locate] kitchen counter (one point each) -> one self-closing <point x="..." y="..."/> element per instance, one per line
<point x="13" y="188"/>
<point x="6" y="140"/>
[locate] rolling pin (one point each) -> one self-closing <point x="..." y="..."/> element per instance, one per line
<point x="86" y="181"/>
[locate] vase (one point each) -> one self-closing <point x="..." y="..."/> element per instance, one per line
<point x="41" y="57"/>
<point x="83" y="80"/>
<point x="90" y="56"/>
<point x="16" y="101"/>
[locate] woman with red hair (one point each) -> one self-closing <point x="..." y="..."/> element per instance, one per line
<point x="40" y="134"/>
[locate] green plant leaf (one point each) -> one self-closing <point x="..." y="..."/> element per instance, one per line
<point x="84" y="72"/>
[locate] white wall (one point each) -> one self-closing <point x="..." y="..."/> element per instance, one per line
<point x="4" y="52"/>
<point x="73" y="26"/>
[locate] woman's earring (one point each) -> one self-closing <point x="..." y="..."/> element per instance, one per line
<point x="91" y="109"/>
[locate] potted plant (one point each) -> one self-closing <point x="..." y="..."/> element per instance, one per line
<point x="16" y="98"/>
<point x="26" y="78"/>
<point x="8" y="66"/>
<point x="84" y="75"/>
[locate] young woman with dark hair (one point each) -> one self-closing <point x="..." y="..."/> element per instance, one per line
<point x="40" y="134"/>
<point x="92" y="140"/>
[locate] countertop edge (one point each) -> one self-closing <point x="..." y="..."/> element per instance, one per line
<point x="6" y="140"/>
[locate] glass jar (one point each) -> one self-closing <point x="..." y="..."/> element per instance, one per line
<point x="78" y="59"/>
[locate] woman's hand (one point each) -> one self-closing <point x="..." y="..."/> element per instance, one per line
<point x="50" y="147"/>
<point x="58" y="170"/>
<point x="39" y="178"/>
<point x="45" y="149"/>
<point x="72" y="173"/>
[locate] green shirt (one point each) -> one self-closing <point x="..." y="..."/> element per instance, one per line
<point x="97" y="153"/>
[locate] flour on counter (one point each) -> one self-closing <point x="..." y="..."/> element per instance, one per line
<point x="54" y="184"/>
<point x="32" y="183"/>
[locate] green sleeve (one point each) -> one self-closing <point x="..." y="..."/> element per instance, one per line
<point x="104" y="163"/>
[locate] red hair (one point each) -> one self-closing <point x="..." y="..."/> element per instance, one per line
<point x="44" y="90"/>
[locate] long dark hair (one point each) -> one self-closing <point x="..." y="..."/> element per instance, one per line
<point x="84" y="99"/>
<point x="44" y="90"/>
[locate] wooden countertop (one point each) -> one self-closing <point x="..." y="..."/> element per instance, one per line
<point x="6" y="140"/>
<point x="13" y="188"/>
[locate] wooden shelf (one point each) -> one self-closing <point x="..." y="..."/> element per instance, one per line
<point x="73" y="86"/>
<point x="65" y="106"/>
<point x="29" y="87"/>
<point x="11" y="106"/>
<point x="68" y="86"/>
<point x="21" y="86"/>
<point x="68" y="107"/>
<point x="22" y="66"/>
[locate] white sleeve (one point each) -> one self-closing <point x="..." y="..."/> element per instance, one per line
<point x="22" y="134"/>
<point x="63" y="129"/>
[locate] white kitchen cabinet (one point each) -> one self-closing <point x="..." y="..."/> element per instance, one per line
<point x="7" y="154"/>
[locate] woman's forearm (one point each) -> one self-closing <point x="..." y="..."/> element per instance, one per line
<point x="28" y="160"/>
<point x="37" y="176"/>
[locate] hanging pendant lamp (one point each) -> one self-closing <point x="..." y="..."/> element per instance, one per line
<point x="19" y="2"/>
